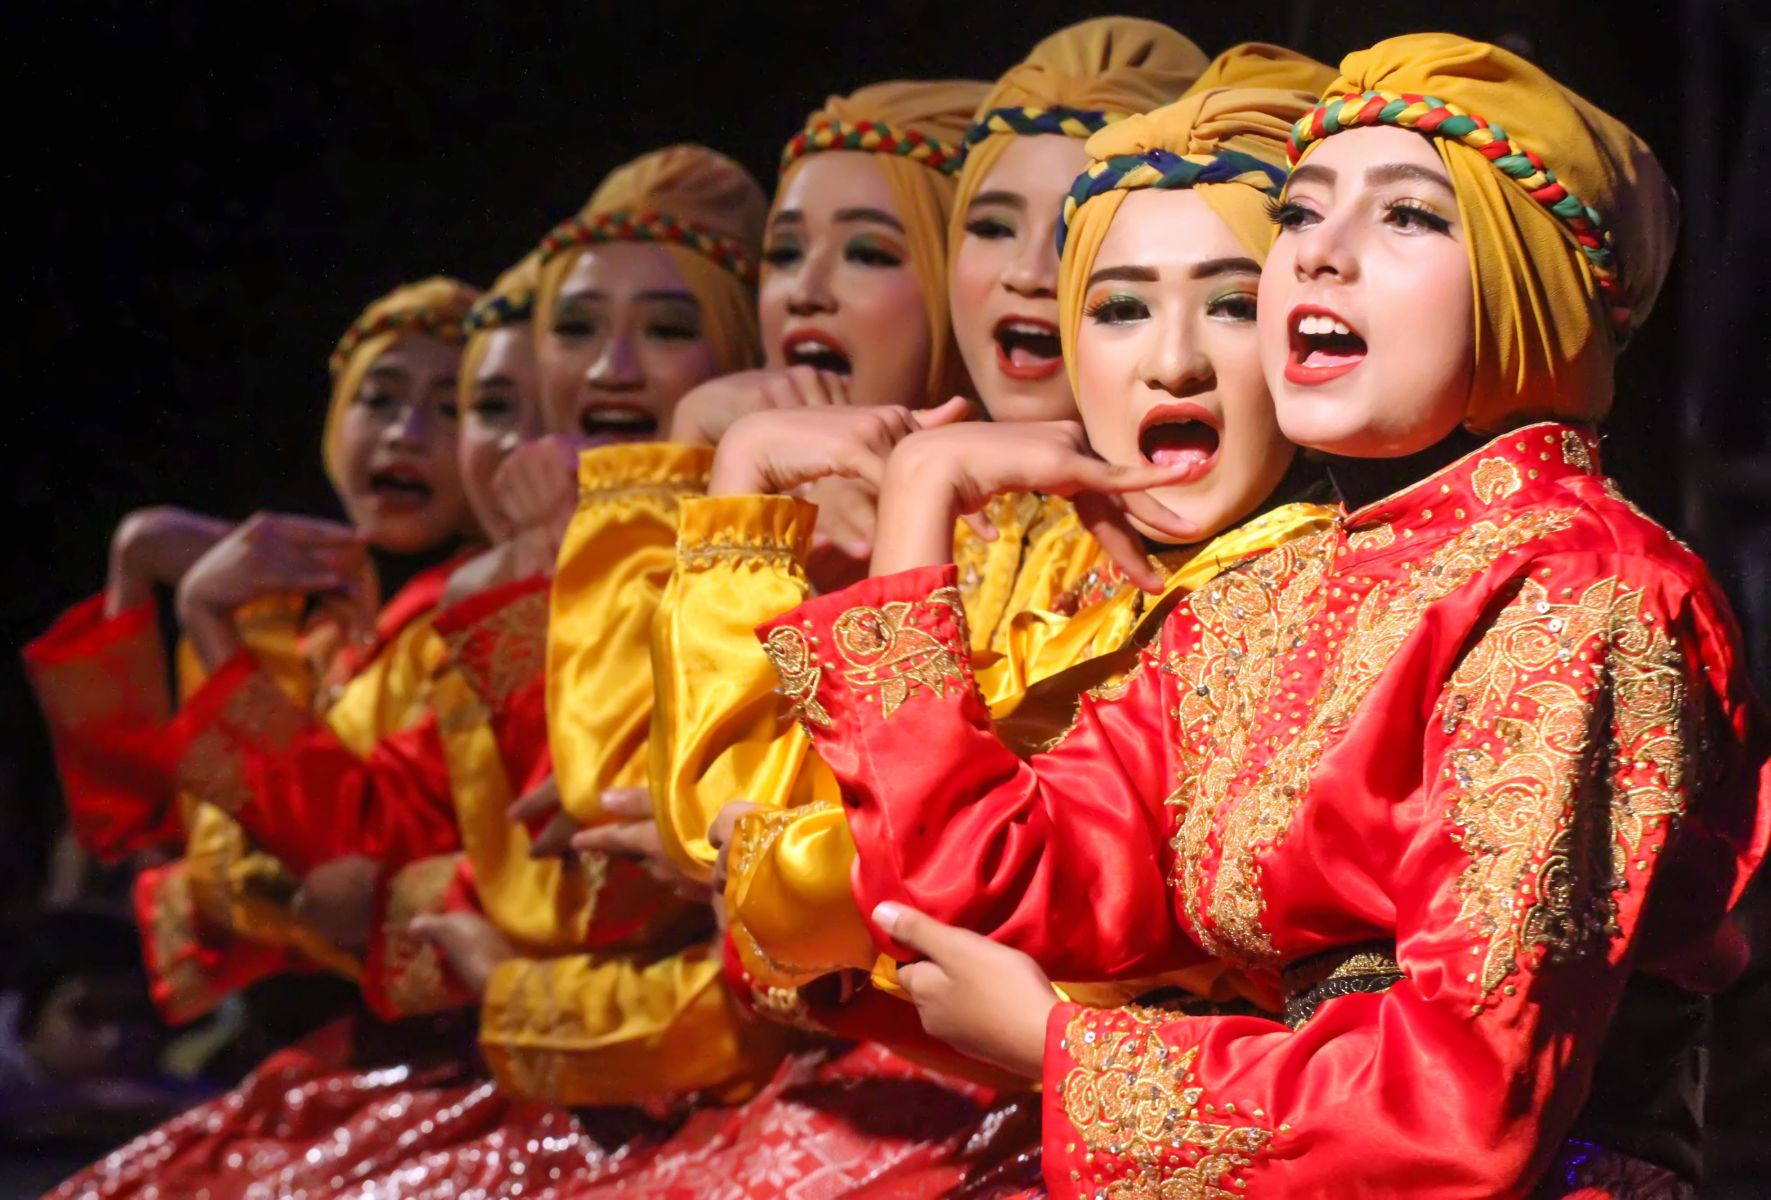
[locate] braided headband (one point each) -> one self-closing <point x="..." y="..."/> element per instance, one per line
<point x="495" y="312"/>
<point x="622" y="225"/>
<point x="1025" y="122"/>
<point x="1440" y="118"/>
<point x="1168" y="170"/>
<point x="875" y="137"/>
<point x="415" y="320"/>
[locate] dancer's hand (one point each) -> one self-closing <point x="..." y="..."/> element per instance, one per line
<point x="156" y="546"/>
<point x="337" y="900"/>
<point x="541" y="810"/>
<point x="268" y="554"/>
<point x="472" y="944"/>
<point x="704" y="415"/>
<point x="779" y="450"/>
<point x="982" y="999"/>
<point x="633" y="835"/>
<point x="937" y="476"/>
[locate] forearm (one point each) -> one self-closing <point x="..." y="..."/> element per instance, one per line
<point x="917" y="511"/>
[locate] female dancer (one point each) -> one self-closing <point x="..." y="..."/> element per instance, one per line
<point x="1458" y="929"/>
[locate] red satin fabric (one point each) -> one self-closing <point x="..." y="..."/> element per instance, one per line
<point x="103" y="688"/>
<point x="1456" y="724"/>
<point x="307" y="1123"/>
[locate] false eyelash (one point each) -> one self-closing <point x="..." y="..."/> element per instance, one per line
<point x="1432" y="219"/>
<point x="1279" y="211"/>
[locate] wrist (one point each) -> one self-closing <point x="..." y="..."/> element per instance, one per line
<point x="918" y="507"/>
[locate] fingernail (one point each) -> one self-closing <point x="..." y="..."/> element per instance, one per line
<point x="886" y="914"/>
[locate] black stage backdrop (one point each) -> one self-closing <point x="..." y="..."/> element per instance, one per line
<point x="205" y="195"/>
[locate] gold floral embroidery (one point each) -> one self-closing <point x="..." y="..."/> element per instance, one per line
<point x="1547" y="856"/>
<point x="885" y="649"/>
<point x="1248" y="621"/>
<point x="124" y="679"/>
<point x="1379" y="537"/>
<point x="1494" y="479"/>
<point x="504" y="650"/>
<point x="1574" y="451"/>
<point x="174" y="940"/>
<point x="791" y="652"/>
<point x="697" y="558"/>
<point x="785" y="1006"/>
<point x="1132" y="1096"/>
<point x="259" y="711"/>
<point x="414" y="967"/>
<point x="213" y="769"/>
<point x="757" y="833"/>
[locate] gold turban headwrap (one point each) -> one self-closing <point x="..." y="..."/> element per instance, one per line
<point x="1225" y="139"/>
<point x="1075" y="82"/>
<point x="436" y="307"/>
<point x="510" y="301"/>
<point x="706" y="212"/>
<point x="916" y="130"/>
<point x="1570" y="221"/>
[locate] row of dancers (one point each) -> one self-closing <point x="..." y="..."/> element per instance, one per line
<point x="1082" y="647"/>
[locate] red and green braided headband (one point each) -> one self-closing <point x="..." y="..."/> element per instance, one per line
<point x="1029" y="121"/>
<point x="1441" y="118"/>
<point x="624" y="226"/>
<point x="429" y="321"/>
<point x="876" y="137"/>
<point x="495" y="312"/>
<point x="1165" y="169"/>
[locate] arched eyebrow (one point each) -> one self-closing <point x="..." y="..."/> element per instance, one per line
<point x="1123" y="275"/>
<point x="1385" y="173"/>
<point x="1211" y="268"/>
<point x="877" y="216"/>
<point x="390" y="373"/>
<point x="1001" y="199"/>
<point x="1311" y="173"/>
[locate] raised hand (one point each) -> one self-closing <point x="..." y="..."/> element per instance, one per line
<point x="937" y="476"/>
<point x="268" y="554"/>
<point x="982" y="999"/>
<point x="779" y="450"/>
<point x="704" y="415"/>
<point x="156" y="546"/>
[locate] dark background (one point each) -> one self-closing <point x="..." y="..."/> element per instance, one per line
<point x="204" y="197"/>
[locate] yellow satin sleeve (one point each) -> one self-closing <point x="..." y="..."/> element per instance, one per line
<point x="1040" y="551"/>
<point x="613" y="566"/>
<point x="719" y="730"/>
<point x="543" y="904"/>
<point x="596" y="1030"/>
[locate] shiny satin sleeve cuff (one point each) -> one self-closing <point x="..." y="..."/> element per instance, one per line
<point x="101" y="683"/>
<point x="614" y="562"/>
<point x="789" y="904"/>
<point x="405" y="975"/>
<point x="588" y="1030"/>
<point x="719" y="729"/>
<point x="189" y="972"/>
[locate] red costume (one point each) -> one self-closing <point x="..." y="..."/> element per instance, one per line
<point x="1467" y="770"/>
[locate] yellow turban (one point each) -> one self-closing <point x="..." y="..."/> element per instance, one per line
<point x="704" y="210"/>
<point x="1570" y="221"/>
<point x="1225" y="143"/>
<point x="917" y="131"/>
<point x="436" y="306"/>
<point x="509" y="301"/>
<point x="1075" y="82"/>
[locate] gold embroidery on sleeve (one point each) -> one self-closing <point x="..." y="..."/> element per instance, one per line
<point x="1551" y="821"/>
<point x="1494" y="479"/>
<point x="800" y="673"/>
<point x="1132" y="1096"/>
<point x="1574" y="451"/>
<point x="1379" y="537"/>
<point x="885" y="649"/>
<point x="506" y="649"/>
